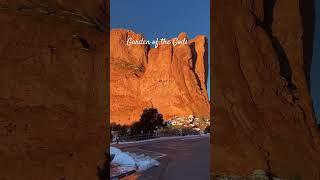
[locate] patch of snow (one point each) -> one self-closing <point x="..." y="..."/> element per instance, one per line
<point x="114" y="150"/>
<point x="121" y="158"/>
<point x="143" y="162"/>
<point x="125" y="160"/>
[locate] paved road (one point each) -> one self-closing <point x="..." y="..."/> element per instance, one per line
<point x="180" y="159"/>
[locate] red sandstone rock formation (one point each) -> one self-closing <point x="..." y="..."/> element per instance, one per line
<point x="169" y="78"/>
<point x="53" y="89"/>
<point x="263" y="115"/>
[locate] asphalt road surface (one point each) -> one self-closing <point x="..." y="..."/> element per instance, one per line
<point x="186" y="158"/>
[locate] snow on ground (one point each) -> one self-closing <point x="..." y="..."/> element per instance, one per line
<point x="125" y="161"/>
<point x="143" y="162"/>
<point x="121" y="158"/>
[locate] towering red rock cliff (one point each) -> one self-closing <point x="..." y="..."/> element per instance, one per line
<point x="169" y="78"/>
<point x="262" y="109"/>
<point x="53" y="89"/>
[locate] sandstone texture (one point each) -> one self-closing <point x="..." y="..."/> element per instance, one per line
<point x="53" y="89"/>
<point x="170" y="78"/>
<point x="262" y="112"/>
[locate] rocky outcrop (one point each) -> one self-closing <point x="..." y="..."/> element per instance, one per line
<point x="262" y="110"/>
<point x="169" y="78"/>
<point x="53" y="90"/>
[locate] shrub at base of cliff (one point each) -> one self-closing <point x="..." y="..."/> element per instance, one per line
<point x="150" y="121"/>
<point x="174" y="131"/>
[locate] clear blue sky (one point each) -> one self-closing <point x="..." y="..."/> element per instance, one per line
<point x="315" y="70"/>
<point x="162" y="19"/>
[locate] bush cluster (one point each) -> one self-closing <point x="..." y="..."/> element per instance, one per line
<point x="150" y="120"/>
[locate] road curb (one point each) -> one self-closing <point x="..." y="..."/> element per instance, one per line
<point x="123" y="175"/>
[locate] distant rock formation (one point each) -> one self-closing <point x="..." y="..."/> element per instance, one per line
<point x="170" y="78"/>
<point x="262" y="109"/>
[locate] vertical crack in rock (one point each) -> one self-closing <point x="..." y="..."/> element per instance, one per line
<point x="194" y="59"/>
<point x="266" y="24"/>
<point x="263" y="150"/>
<point x="242" y="73"/>
<point x="267" y="160"/>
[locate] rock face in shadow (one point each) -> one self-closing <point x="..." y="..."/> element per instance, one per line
<point x="169" y="78"/>
<point x="93" y="9"/>
<point x="53" y="89"/>
<point x="262" y="110"/>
